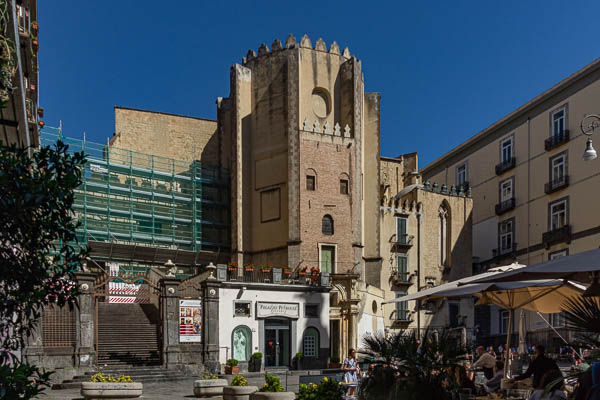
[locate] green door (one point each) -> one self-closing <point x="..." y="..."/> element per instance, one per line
<point x="327" y="259"/>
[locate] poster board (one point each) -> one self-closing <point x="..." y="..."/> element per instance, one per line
<point x="190" y="321"/>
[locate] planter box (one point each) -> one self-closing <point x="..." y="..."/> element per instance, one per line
<point x="209" y="387"/>
<point x="232" y="370"/>
<point x="238" y="392"/>
<point x="109" y="390"/>
<point x="255" y="365"/>
<point x="273" y="396"/>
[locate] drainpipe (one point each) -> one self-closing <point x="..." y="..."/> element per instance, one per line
<point x="419" y="273"/>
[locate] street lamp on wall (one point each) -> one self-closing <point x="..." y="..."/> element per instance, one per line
<point x="588" y="124"/>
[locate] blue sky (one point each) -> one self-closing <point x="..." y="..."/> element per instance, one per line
<point x="445" y="69"/>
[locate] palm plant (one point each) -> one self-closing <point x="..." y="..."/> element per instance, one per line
<point x="407" y="369"/>
<point x="582" y="315"/>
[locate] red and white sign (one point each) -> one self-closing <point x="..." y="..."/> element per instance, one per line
<point x="190" y="321"/>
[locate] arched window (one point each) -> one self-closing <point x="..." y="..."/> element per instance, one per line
<point x="327" y="225"/>
<point x="241" y="343"/>
<point x="444" y="235"/>
<point x="310" y="342"/>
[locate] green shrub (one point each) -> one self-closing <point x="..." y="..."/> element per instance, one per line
<point x="257" y="356"/>
<point x="239" y="380"/>
<point x="271" y="384"/>
<point x="299" y="354"/>
<point x="209" y="375"/>
<point x="232" y="362"/>
<point x="327" y="389"/>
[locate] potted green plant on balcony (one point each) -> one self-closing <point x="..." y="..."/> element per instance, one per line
<point x="265" y="268"/>
<point x="334" y="362"/>
<point x="232" y="367"/>
<point x="255" y="364"/>
<point x="103" y="386"/>
<point x="272" y="389"/>
<point x="209" y="386"/>
<point x="298" y="360"/>
<point x="286" y="271"/>
<point x="249" y="267"/>
<point x="239" y="389"/>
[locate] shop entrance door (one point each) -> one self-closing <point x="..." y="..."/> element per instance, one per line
<point x="277" y="343"/>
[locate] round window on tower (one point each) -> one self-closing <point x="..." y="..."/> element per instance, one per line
<point x="374" y="306"/>
<point x="321" y="102"/>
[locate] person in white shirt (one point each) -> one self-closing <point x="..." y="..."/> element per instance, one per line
<point x="486" y="362"/>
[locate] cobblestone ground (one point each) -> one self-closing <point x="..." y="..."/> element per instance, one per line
<point x="152" y="391"/>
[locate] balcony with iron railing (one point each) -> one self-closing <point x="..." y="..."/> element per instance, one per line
<point x="556" y="184"/>
<point x="402" y="242"/>
<point x="504" y="252"/>
<point x="556" y="140"/>
<point x="505" y="206"/>
<point x="557" y="235"/>
<point x="404" y="279"/>
<point x="278" y="276"/>
<point x="506" y="165"/>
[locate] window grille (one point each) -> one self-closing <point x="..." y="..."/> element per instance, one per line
<point x="58" y="327"/>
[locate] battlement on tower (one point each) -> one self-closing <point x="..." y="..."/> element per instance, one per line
<point x="291" y="43"/>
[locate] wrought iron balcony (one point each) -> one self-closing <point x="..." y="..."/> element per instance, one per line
<point x="271" y="275"/>
<point x="403" y="316"/>
<point x="403" y="279"/>
<point x="505" y="252"/>
<point x="505" y="206"/>
<point x="556" y="140"/>
<point x="506" y="165"/>
<point x="556" y="184"/>
<point x="402" y="243"/>
<point x="558" y="235"/>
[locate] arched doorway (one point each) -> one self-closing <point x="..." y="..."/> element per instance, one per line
<point x="277" y="342"/>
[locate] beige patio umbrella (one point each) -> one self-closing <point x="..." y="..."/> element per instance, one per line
<point x="522" y="334"/>
<point x="545" y="296"/>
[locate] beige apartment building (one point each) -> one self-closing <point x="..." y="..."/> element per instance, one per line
<point x="534" y="196"/>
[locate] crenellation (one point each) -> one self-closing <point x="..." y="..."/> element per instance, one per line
<point x="290" y="42"/>
<point x="320" y="45"/>
<point x="276" y="45"/>
<point x="251" y="54"/>
<point x="346" y="53"/>
<point x="263" y="50"/>
<point x="305" y="42"/>
<point x="334" y="49"/>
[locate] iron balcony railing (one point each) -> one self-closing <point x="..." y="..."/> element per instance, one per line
<point x="505" y="206"/>
<point x="505" y="251"/>
<point x="278" y="276"/>
<point x="556" y="140"/>
<point x="403" y="315"/>
<point x="402" y="242"/>
<point x="506" y="165"/>
<point x="403" y="278"/>
<point x="556" y="184"/>
<point x="558" y="235"/>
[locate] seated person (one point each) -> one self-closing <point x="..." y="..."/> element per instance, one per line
<point x="493" y="384"/>
<point x="486" y="362"/>
<point x="538" y="367"/>
<point x="462" y="380"/>
<point x="555" y="392"/>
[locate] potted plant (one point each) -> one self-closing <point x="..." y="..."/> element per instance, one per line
<point x="232" y="266"/>
<point x="326" y="389"/>
<point x="35" y="27"/>
<point x="298" y="360"/>
<point x="255" y="364"/>
<point x="286" y="271"/>
<point x="103" y="386"/>
<point x="249" y="267"/>
<point x="272" y="389"/>
<point x="209" y="386"/>
<point x="232" y="367"/>
<point x="265" y="268"/>
<point x="315" y="273"/>
<point x="239" y="389"/>
<point x="302" y="271"/>
<point x="41" y="112"/>
<point x="334" y="362"/>
<point x="42" y="123"/>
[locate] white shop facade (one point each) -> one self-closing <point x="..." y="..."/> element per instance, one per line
<point x="276" y="320"/>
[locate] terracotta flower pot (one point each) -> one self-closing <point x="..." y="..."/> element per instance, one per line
<point x="229" y="370"/>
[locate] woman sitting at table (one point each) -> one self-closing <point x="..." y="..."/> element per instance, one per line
<point x="493" y="384"/>
<point x="462" y="380"/>
<point x="555" y="392"/>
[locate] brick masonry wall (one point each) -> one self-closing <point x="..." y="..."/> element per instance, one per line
<point x="330" y="162"/>
<point x="180" y="137"/>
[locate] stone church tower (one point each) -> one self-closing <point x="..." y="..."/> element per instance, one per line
<point x="300" y="134"/>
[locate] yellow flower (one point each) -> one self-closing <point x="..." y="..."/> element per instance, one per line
<point x="325" y="379"/>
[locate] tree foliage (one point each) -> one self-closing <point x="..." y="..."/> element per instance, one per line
<point x="39" y="251"/>
<point x="406" y="368"/>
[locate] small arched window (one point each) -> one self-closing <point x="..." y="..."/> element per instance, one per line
<point x="327" y="225"/>
<point x="241" y="345"/>
<point x="310" y="342"/>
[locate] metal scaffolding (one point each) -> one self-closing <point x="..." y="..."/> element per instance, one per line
<point x="142" y="199"/>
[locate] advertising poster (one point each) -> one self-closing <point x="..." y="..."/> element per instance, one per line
<point x="190" y="321"/>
